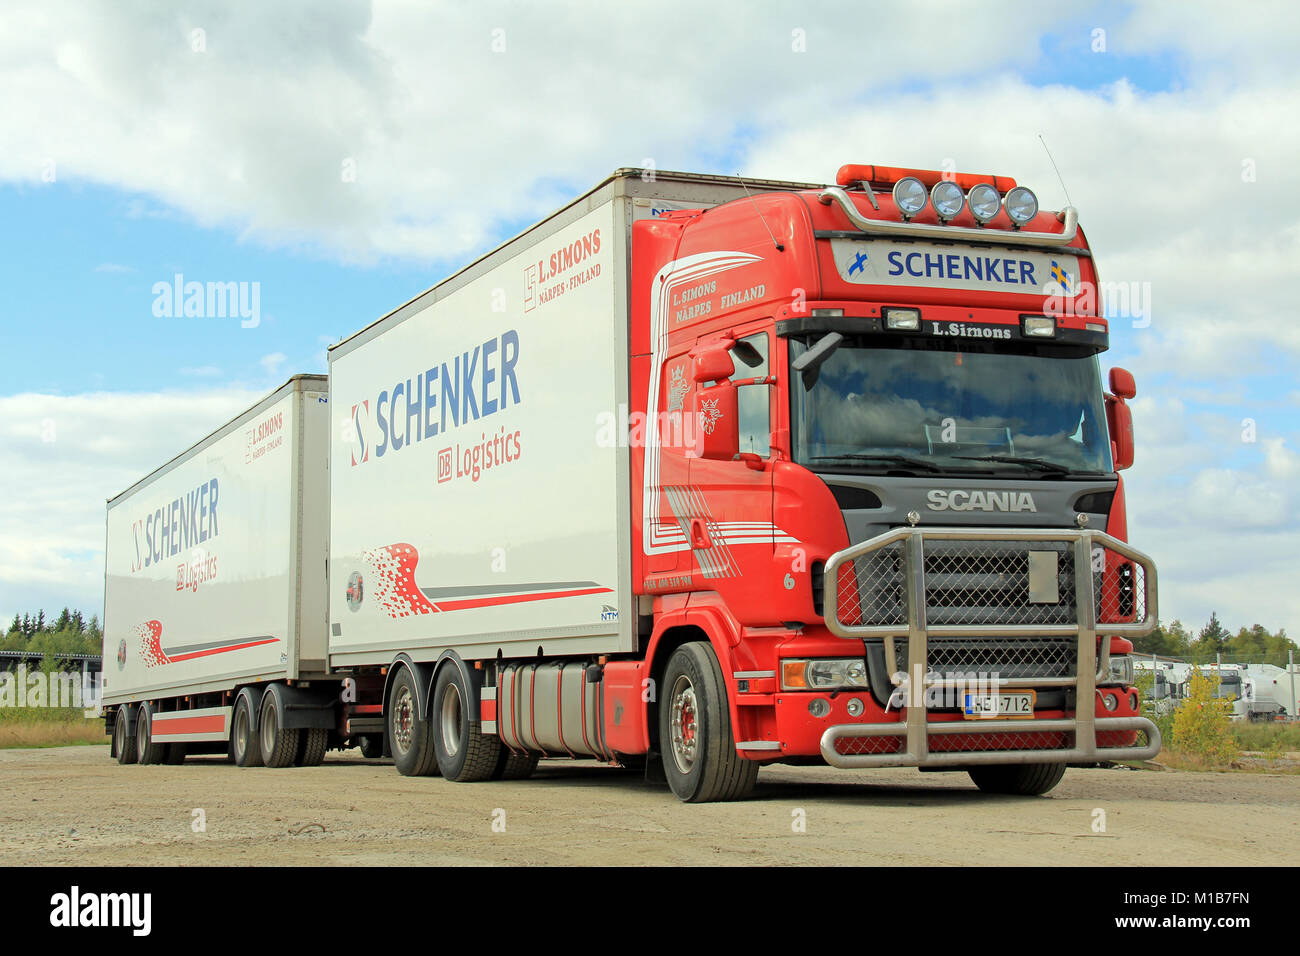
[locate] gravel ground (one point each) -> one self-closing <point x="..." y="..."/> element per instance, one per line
<point x="73" y="805"/>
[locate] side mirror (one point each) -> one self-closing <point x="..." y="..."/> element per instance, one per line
<point x="1119" y="417"/>
<point x="1122" y="384"/>
<point x="716" y="421"/>
<point x="712" y="364"/>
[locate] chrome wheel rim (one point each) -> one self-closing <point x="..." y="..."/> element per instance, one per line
<point x="241" y="733"/>
<point x="403" y="720"/>
<point x="684" y="724"/>
<point x="268" y="730"/>
<point x="450" y="720"/>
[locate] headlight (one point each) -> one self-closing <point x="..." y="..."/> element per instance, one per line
<point x="1121" y="669"/>
<point x="947" y="199"/>
<point x="984" y="202"/>
<point x="823" y="674"/>
<point x="1022" y="205"/>
<point x="1040" y="326"/>
<point x="909" y="195"/>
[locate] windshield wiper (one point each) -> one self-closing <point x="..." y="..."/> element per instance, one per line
<point x="1039" y="463"/>
<point x="895" y="459"/>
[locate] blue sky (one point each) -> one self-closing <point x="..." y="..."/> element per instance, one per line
<point x="208" y="140"/>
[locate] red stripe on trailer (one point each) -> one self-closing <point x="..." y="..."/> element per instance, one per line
<point x="515" y="599"/>
<point x="166" y="724"/>
<point x="219" y="650"/>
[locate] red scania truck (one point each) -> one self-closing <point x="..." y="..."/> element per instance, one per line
<point x="699" y="474"/>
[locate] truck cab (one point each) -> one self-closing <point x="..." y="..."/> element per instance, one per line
<point x="887" y="476"/>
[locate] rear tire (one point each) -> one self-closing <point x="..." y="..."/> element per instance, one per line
<point x="245" y="748"/>
<point x="410" y="735"/>
<point x="279" y="746"/>
<point x="699" y="748"/>
<point x="311" y="747"/>
<point x="175" y="754"/>
<point x="372" y="746"/>
<point x="147" y="752"/>
<point x="514" y="766"/>
<point x="465" y="753"/>
<point x="123" y="742"/>
<point x="1021" y="780"/>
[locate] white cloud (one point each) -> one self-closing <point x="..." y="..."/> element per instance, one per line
<point x="452" y="144"/>
<point x="272" y="363"/>
<point x="64" y="456"/>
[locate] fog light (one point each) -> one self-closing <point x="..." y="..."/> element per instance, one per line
<point x="819" y="707"/>
<point x="1021" y="205"/>
<point x="1040" y="326"/>
<point x="1109" y="701"/>
<point x="984" y="202"/>
<point x="947" y="199"/>
<point x="909" y="196"/>
<point x="903" y="320"/>
<point x="856" y="707"/>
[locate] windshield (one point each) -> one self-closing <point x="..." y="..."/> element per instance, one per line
<point x="1229" y="687"/>
<point x="925" y="405"/>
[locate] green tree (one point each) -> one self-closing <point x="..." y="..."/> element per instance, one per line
<point x="1202" y="728"/>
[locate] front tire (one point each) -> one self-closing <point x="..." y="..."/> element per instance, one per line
<point x="699" y="748"/>
<point x="410" y="735"/>
<point x="515" y="766"/>
<point x="1021" y="780"/>
<point x="465" y="753"/>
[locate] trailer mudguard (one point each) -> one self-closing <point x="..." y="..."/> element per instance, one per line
<point x="299" y="707"/>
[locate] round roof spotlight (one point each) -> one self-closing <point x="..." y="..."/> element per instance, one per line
<point x="909" y="196"/>
<point x="984" y="202"/>
<point x="1022" y="205"/>
<point x="947" y="199"/>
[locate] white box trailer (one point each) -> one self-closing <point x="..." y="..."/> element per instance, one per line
<point x="215" y="575"/>
<point x="474" y="506"/>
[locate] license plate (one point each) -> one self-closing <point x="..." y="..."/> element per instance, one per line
<point x="1009" y="704"/>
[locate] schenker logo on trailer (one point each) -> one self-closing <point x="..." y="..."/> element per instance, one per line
<point x="448" y="394"/>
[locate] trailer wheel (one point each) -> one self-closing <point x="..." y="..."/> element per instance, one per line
<point x="279" y="746"/>
<point x="147" y="752"/>
<point x="411" y="736"/>
<point x="465" y="753"/>
<point x="122" y="743"/>
<point x="175" y="754"/>
<point x="244" y="745"/>
<point x="311" y="747"/>
<point x="515" y="766"/>
<point x="372" y="746"/>
<point x="1022" y="780"/>
<point x="700" y="758"/>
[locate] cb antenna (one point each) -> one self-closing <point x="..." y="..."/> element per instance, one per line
<point x="779" y="247"/>
<point x="1058" y="172"/>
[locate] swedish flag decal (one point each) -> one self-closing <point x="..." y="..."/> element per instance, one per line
<point x="1062" y="278"/>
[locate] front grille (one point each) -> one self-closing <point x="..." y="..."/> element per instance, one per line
<point x="1009" y="658"/>
<point x="984" y="582"/>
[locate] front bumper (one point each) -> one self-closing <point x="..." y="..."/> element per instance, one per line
<point x="974" y="588"/>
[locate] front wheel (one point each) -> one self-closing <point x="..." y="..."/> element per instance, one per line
<point x="1021" y="780"/>
<point x="699" y="748"/>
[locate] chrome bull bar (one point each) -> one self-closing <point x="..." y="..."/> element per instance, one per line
<point x="1091" y="666"/>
